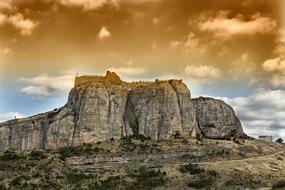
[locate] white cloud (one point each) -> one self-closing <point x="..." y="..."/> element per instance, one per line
<point x="45" y="85"/>
<point x="3" y="19"/>
<point x="279" y="49"/>
<point x="222" y="25"/>
<point x="25" y="26"/>
<point x="262" y="113"/>
<point x="189" y="44"/>
<point x="88" y="4"/>
<point x="95" y="4"/>
<point x="277" y="67"/>
<point x="104" y="33"/>
<point x="10" y="115"/>
<point x="6" y="51"/>
<point x="36" y="90"/>
<point x="5" y="4"/>
<point x="278" y="80"/>
<point x="244" y="57"/>
<point x="156" y="21"/>
<point x="274" y="65"/>
<point x="175" y="44"/>
<point x="127" y="71"/>
<point x="202" y="71"/>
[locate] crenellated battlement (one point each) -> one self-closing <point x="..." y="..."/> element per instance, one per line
<point x="79" y="80"/>
<point x="113" y="78"/>
<point x="86" y="79"/>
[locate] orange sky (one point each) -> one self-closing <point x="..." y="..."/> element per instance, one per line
<point x="232" y="49"/>
<point x="91" y="36"/>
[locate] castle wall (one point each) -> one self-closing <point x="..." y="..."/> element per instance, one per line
<point x="80" y="80"/>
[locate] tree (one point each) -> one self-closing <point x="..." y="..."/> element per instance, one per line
<point x="279" y="140"/>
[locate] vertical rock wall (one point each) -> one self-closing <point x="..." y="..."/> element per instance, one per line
<point x="101" y="108"/>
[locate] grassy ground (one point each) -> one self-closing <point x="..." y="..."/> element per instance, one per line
<point x="141" y="163"/>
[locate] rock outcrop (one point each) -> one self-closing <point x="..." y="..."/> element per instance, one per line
<point x="216" y="119"/>
<point x="104" y="107"/>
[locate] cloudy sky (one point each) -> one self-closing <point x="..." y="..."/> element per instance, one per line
<point x="234" y="50"/>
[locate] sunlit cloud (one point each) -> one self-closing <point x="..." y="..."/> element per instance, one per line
<point x="3" y="19"/>
<point x="37" y="90"/>
<point x="46" y="85"/>
<point x="5" y="4"/>
<point x="202" y="71"/>
<point x="276" y="67"/>
<point x="222" y="25"/>
<point x="189" y="44"/>
<point x="104" y="33"/>
<point x="88" y="4"/>
<point x="280" y="43"/>
<point x="6" y="51"/>
<point x="24" y="25"/>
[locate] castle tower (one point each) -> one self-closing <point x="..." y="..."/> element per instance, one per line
<point x="112" y="76"/>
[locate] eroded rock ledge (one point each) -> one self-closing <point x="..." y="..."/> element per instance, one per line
<point x="104" y="107"/>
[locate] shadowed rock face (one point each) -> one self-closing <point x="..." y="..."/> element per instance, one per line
<point x="100" y="108"/>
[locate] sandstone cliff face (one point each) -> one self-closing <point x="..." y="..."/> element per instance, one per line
<point x="216" y="119"/>
<point x="44" y="131"/>
<point x="162" y="109"/>
<point x="100" y="108"/>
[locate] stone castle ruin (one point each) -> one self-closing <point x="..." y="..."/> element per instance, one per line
<point x="111" y="77"/>
<point x="104" y="107"/>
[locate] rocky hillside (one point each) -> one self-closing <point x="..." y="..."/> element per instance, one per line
<point x="101" y="108"/>
<point x="140" y="163"/>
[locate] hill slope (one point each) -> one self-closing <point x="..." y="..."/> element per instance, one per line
<point x="142" y="163"/>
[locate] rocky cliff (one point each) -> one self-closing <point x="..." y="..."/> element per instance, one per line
<point x="103" y="107"/>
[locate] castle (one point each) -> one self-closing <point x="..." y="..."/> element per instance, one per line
<point x="110" y="77"/>
<point x="104" y="107"/>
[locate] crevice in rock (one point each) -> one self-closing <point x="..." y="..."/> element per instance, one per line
<point x="127" y="114"/>
<point x="178" y="101"/>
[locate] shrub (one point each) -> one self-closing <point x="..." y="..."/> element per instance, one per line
<point x="38" y="155"/>
<point x="279" y="140"/>
<point x="146" y="178"/>
<point x="202" y="181"/>
<point x="85" y="149"/>
<point x="112" y="182"/>
<point x="199" y="137"/>
<point x="10" y="155"/>
<point x="191" y="168"/>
